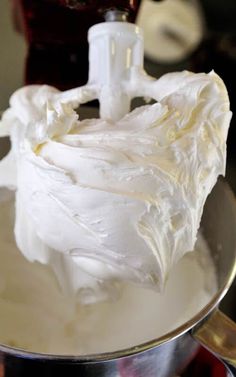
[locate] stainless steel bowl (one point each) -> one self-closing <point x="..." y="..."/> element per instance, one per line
<point x="168" y="355"/>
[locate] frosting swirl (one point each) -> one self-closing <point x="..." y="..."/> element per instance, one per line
<point x="104" y="202"/>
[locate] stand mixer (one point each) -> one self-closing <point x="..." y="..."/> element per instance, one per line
<point x="116" y="72"/>
<point x="59" y="55"/>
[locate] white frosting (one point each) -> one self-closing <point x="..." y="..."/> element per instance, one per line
<point x="103" y="202"/>
<point x="42" y="319"/>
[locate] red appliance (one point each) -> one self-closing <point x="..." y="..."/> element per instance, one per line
<point x="56" y="33"/>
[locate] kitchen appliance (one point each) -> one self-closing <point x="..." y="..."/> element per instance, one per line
<point x="56" y="36"/>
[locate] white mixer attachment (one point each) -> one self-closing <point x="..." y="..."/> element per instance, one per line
<point x="116" y="74"/>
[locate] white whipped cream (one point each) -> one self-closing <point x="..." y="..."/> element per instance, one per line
<point x="104" y="202"/>
<point x="42" y="319"/>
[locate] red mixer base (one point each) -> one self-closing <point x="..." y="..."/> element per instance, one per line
<point x="205" y="365"/>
